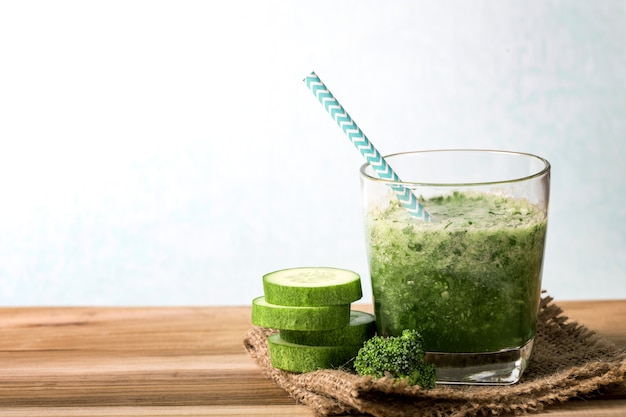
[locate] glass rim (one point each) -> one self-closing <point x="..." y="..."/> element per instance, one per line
<point x="542" y="171"/>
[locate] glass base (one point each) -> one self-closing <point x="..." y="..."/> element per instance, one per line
<point x="504" y="367"/>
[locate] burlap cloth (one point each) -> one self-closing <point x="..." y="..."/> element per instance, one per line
<point x="568" y="361"/>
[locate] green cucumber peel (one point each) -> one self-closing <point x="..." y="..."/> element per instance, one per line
<point x="293" y="357"/>
<point x="362" y="327"/>
<point x="312" y="286"/>
<point x="274" y="316"/>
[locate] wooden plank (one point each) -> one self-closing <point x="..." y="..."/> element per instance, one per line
<point x="597" y="408"/>
<point x="129" y="356"/>
<point x="594" y="408"/>
<point x="606" y="317"/>
<point x="188" y="411"/>
<point x="176" y="361"/>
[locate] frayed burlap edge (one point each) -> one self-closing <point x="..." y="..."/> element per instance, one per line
<point x="568" y="361"/>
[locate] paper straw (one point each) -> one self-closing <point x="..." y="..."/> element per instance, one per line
<point x="362" y="143"/>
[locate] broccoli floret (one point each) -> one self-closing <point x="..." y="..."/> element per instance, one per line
<point x="399" y="357"/>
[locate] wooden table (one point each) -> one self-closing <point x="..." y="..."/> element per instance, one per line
<point x="183" y="361"/>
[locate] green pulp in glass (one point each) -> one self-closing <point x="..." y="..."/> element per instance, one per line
<point x="469" y="281"/>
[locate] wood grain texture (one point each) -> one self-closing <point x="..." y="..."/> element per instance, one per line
<point x="177" y="361"/>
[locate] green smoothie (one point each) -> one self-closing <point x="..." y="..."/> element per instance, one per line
<point x="469" y="281"/>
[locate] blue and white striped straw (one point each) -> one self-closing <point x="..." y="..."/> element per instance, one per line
<point x="362" y="143"/>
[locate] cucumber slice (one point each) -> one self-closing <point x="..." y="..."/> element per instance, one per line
<point x="312" y="286"/>
<point x="362" y="327"/>
<point x="301" y="358"/>
<point x="274" y="316"/>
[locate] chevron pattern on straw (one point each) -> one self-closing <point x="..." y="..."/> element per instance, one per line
<point x="363" y="144"/>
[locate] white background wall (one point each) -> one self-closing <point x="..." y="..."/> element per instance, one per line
<point x="167" y="152"/>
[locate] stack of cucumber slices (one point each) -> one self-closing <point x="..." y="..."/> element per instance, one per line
<point x="311" y="309"/>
